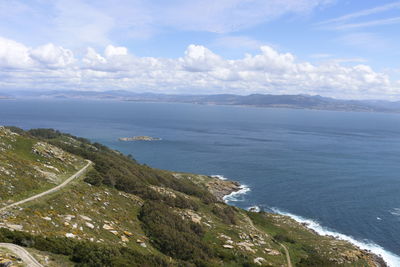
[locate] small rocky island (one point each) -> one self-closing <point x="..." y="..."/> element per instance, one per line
<point x="139" y="138"/>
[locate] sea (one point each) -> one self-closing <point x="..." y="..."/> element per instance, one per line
<point x="339" y="172"/>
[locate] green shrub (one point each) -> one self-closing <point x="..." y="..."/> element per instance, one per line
<point x="173" y="235"/>
<point x="227" y="213"/>
<point x="93" y="177"/>
<point x="45" y="133"/>
<point x="284" y="238"/>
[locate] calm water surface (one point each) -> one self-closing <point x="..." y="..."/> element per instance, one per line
<point x="340" y="169"/>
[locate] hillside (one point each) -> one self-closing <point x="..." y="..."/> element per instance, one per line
<point x="28" y="166"/>
<point x="122" y="213"/>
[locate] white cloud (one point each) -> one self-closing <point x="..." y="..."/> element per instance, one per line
<point x="93" y="59"/>
<point x="199" y="58"/>
<point x="112" y="51"/>
<point x="14" y="54"/>
<point x="198" y="71"/>
<point x="53" y="56"/>
<point x="269" y="61"/>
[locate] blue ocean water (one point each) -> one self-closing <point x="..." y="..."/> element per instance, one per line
<point x="339" y="171"/>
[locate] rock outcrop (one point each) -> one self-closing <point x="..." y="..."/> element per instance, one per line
<point x="220" y="188"/>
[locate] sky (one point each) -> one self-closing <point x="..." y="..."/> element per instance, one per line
<point x="345" y="49"/>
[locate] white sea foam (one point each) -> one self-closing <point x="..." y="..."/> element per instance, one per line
<point x="221" y="177"/>
<point x="254" y="209"/>
<point x="395" y="212"/>
<point x="390" y="258"/>
<point x="237" y="195"/>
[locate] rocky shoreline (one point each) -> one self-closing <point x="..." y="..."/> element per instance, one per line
<point x="222" y="188"/>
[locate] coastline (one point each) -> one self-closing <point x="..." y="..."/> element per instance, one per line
<point x="228" y="191"/>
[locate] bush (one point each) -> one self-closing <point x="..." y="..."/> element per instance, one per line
<point x="93" y="177"/>
<point x="16" y="130"/>
<point x="226" y="213"/>
<point x="45" y="133"/>
<point x="284" y="238"/>
<point x="173" y="235"/>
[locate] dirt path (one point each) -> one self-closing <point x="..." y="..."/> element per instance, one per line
<point x="21" y="252"/>
<point x="26" y="257"/>
<point x="54" y="189"/>
<point x="289" y="262"/>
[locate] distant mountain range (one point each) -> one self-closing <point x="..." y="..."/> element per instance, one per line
<point x="254" y="100"/>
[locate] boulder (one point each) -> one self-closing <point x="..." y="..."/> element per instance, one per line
<point x="86" y="218"/>
<point x="70" y="235"/>
<point x="88" y="224"/>
<point x="259" y="260"/>
<point x="108" y="227"/>
<point x="272" y="252"/>
<point x="128" y="233"/>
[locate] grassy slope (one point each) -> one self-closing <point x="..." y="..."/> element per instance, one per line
<point x="24" y="173"/>
<point x="251" y="235"/>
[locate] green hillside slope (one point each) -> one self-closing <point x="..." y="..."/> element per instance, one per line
<point x="29" y="166"/>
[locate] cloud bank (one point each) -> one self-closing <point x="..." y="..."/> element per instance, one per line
<point x="197" y="71"/>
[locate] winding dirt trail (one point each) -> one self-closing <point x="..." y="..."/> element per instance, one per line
<point x="54" y="189"/>
<point x="20" y="251"/>
<point x="289" y="262"/>
<point x="26" y="257"/>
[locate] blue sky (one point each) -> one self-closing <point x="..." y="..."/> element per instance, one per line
<point x="337" y="48"/>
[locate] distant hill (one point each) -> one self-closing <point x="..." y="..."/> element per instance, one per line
<point x="277" y="101"/>
<point x="254" y="100"/>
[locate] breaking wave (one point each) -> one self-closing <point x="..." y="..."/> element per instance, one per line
<point x="220" y="177"/>
<point x="395" y="212"/>
<point x="254" y="209"/>
<point x="237" y="195"/>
